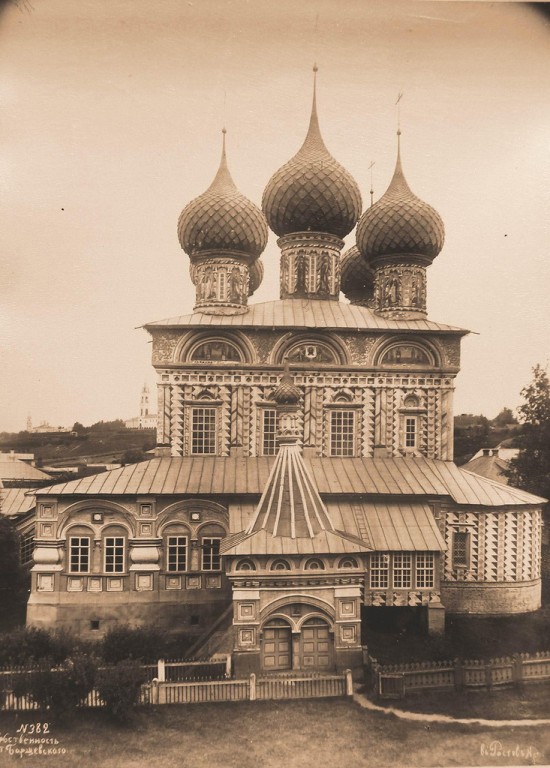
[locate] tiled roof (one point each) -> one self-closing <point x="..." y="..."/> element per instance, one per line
<point x="300" y="313"/>
<point x="228" y="475"/>
<point x="14" y="501"/>
<point x="13" y="469"/>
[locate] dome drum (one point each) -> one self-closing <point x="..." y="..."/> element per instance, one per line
<point x="400" y="291"/>
<point x="310" y="265"/>
<point x="222" y="285"/>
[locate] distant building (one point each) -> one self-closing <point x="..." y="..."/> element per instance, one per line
<point x="492" y="463"/>
<point x="146" y="419"/>
<point x="44" y="428"/>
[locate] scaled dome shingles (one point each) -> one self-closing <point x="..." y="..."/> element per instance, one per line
<point x="400" y="223"/>
<point x="312" y="192"/>
<point x="222" y="219"/>
<point x="355" y="273"/>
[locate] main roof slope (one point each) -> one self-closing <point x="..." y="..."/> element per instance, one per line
<point x="308" y="313"/>
<point x="229" y="475"/>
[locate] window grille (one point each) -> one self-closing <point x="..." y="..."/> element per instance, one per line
<point x="114" y="554"/>
<point x="461" y="547"/>
<point x="211" y="560"/>
<point x="26" y="548"/>
<point x="79" y="554"/>
<point x="203" y="438"/>
<point x="269" y="432"/>
<point x="379" y="571"/>
<point x="402" y="577"/>
<point x="424" y="571"/>
<point x="342" y="433"/>
<point x="176" y="558"/>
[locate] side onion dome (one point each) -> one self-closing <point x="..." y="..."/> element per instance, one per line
<point x="222" y="219"/>
<point x="400" y="224"/>
<point x="312" y="192"/>
<point x="356" y="276"/>
<point x="256" y="276"/>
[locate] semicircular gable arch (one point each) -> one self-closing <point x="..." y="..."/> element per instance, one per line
<point x="80" y="508"/>
<point x="183" y="353"/>
<point x="407" y="352"/>
<point x="325" y="345"/>
<point x="316" y="602"/>
<point x="193" y="505"/>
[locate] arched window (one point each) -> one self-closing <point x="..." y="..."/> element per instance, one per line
<point x="114" y="549"/>
<point x="348" y="562"/>
<point x="280" y="565"/>
<point x="314" y="564"/>
<point x="245" y="565"/>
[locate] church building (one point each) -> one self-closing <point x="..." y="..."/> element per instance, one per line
<point x="304" y="483"/>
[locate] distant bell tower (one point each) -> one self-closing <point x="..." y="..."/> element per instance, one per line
<point x="144" y="403"/>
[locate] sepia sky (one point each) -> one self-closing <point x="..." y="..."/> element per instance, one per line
<point x="112" y="111"/>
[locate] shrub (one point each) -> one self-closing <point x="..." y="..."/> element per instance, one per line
<point x="132" y="643"/>
<point x="59" y="689"/>
<point x="28" y="645"/>
<point x="119" y="687"/>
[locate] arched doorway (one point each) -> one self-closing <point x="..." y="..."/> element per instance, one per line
<point x="316" y="644"/>
<point x="277" y="645"/>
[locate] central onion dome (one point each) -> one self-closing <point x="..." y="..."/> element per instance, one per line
<point x="312" y="192"/>
<point x="222" y="219"/>
<point x="400" y="224"/>
<point x="356" y="277"/>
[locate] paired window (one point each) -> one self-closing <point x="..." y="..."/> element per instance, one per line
<point x="398" y="569"/>
<point x="203" y="430"/>
<point x="79" y="554"/>
<point x="211" y="558"/>
<point x="269" y="432"/>
<point x="342" y="433"/>
<point x="461" y="549"/>
<point x="113" y="554"/>
<point x="176" y="553"/>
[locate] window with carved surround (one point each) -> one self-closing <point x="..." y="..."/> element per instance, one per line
<point x="26" y="547"/>
<point x="461" y="549"/>
<point x="203" y="430"/>
<point x="79" y="554"/>
<point x="176" y="553"/>
<point x="113" y="554"/>
<point x="379" y="570"/>
<point x="269" y="432"/>
<point x="424" y="571"/>
<point x="402" y="570"/>
<point x="342" y="433"/>
<point x="211" y="558"/>
<point x="411" y="430"/>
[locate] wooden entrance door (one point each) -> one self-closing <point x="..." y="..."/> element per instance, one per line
<point x="277" y="646"/>
<point x="316" y="645"/>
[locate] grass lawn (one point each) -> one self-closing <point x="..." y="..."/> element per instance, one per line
<point x="504" y="704"/>
<point x="309" y="733"/>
